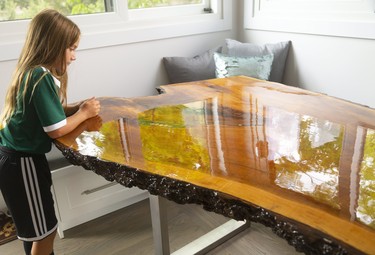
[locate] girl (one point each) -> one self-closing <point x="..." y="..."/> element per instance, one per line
<point x="35" y="112"/>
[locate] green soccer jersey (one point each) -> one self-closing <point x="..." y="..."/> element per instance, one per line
<point x="40" y="111"/>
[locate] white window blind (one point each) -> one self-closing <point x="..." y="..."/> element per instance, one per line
<point x="349" y="18"/>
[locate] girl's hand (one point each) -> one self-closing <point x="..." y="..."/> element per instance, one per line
<point x="93" y="124"/>
<point x="90" y="107"/>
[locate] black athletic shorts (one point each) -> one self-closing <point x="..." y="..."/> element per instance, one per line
<point x="25" y="182"/>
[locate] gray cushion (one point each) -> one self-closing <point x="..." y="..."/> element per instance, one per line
<point x="185" y="69"/>
<point x="279" y="50"/>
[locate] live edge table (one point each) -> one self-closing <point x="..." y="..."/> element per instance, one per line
<point x="299" y="162"/>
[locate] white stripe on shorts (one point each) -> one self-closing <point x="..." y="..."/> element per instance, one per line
<point x="33" y="195"/>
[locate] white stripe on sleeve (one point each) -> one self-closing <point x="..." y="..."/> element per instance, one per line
<point x="55" y="126"/>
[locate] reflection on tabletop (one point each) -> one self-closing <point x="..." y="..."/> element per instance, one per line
<point x="299" y="154"/>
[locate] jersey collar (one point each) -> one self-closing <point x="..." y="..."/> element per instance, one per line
<point x="57" y="82"/>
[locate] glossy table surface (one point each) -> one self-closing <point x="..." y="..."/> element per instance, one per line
<point x="300" y="162"/>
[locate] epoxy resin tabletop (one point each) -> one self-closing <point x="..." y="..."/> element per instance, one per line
<point x="299" y="162"/>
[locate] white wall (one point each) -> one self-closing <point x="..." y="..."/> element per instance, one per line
<point x="338" y="66"/>
<point x="129" y="70"/>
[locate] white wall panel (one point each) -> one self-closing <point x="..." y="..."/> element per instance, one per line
<point x="348" y="18"/>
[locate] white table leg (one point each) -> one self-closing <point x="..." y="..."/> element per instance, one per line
<point x="197" y="247"/>
<point x="159" y="225"/>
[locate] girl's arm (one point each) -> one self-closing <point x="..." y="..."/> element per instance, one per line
<point x="71" y="109"/>
<point x="86" y="109"/>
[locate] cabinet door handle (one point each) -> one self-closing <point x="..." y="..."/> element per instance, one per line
<point x="90" y="191"/>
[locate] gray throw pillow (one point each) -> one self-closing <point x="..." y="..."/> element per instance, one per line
<point x="279" y="50"/>
<point x="185" y="69"/>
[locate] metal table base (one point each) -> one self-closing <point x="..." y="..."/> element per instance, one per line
<point x="199" y="246"/>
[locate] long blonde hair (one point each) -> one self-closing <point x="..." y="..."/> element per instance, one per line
<point x="50" y="34"/>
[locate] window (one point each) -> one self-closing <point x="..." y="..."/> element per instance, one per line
<point x="163" y="8"/>
<point x="138" y="4"/>
<point x="113" y="22"/>
<point x="19" y="9"/>
<point x="349" y="18"/>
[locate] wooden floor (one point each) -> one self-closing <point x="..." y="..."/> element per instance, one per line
<point x="128" y="231"/>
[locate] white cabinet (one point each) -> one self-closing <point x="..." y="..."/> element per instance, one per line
<point x="81" y="195"/>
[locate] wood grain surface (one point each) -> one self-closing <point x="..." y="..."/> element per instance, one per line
<point x="304" y="156"/>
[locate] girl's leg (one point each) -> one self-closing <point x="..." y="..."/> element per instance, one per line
<point x="25" y="182"/>
<point x="44" y="246"/>
<point x="27" y="247"/>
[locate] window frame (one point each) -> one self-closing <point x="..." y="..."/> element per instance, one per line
<point x="165" y="11"/>
<point x="343" y="18"/>
<point x="116" y="28"/>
